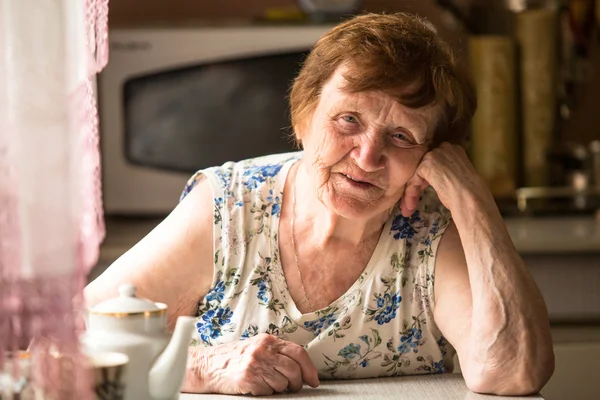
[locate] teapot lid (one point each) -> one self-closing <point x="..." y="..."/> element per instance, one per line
<point x="126" y="303"/>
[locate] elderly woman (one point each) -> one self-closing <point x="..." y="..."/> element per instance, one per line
<point x="376" y="251"/>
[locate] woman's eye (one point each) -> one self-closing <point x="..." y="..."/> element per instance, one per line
<point x="350" y="119"/>
<point x="401" y="137"/>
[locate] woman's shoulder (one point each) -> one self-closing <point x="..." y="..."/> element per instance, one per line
<point x="269" y="164"/>
<point x="256" y="175"/>
<point x="267" y="160"/>
<point x="253" y="170"/>
<point x="250" y="173"/>
<point x="262" y="167"/>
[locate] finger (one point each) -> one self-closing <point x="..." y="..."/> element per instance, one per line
<point x="275" y="380"/>
<point x="262" y="389"/>
<point x="291" y="371"/>
<point x="251" y="383"/>
<point x="410" y="198"/>
<point x="300" y="356"/>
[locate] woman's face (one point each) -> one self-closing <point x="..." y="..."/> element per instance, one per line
<point x="364" y="148"/>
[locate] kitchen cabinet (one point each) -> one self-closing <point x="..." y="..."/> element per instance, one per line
<point x="569" y="284"/>
<point x="576" y="374"/>
<point x="563" y="255"/>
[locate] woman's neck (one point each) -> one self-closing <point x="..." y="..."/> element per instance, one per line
<point x="315" y="222"/>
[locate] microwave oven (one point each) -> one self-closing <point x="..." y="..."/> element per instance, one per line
<point x="175" y="100"/>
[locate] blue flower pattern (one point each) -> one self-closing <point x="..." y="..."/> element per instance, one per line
<point x="435" y="228"/>
<point x="438" y="367"/>
<point x="211" y="323"/>
<point x="250" y="331"/>
<point x="276" y="204"/>
<point x="324" y="322"/>
<point x="245" y="335"/>
<point x="225" y="177"/>
<point x="410" y="342"/>
<point x="259" y="174"/>
<point x="217" y="293"/>
<point x="387" y="306"/>
<point x="350" y="351"/>
<point x="405" y="227"/>
<point x="263" y="291"/>
<point x="340" y="343"/>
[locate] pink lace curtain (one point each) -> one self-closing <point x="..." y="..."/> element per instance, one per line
<point x="51" y="221"/>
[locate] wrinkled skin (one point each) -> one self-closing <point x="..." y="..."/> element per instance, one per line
<point x="260" y="365"/>
<point x="450" y="172"/>
<point x="370" y="137"/>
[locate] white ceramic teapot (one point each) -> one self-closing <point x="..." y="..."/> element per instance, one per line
<point x="138" y="327"/>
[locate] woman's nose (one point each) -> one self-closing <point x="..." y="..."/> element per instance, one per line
<point x="369" y="153"/>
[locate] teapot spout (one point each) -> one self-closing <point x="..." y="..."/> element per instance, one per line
<point x="168" y="371"/>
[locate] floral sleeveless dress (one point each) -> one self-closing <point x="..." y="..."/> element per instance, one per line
<point x="382" y="326"/>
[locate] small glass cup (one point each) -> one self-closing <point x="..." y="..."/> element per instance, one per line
<point x="15" y="376"/>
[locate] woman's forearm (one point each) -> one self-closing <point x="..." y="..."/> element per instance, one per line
<point x="509" y="337"/>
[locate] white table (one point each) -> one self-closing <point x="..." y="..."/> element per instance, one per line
<point x="444" y="387"/>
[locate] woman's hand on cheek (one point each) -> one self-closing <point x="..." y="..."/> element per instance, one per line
<point x="450" y="172"/>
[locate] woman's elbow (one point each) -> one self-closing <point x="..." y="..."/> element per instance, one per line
<point x="512" y="380"/>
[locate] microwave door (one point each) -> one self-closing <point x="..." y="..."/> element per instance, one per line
<point x="205" y="115"/>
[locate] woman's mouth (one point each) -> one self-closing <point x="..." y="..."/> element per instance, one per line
<point x="356" y="182"/>
<point x="355" y="187"/>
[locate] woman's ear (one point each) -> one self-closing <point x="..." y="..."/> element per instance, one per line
<point x="296" y="137"/>
<point x="301" y="127"/>
<point x="300" y="130"/>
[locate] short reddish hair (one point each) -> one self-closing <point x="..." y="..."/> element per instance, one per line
<point x="400" y="54"/>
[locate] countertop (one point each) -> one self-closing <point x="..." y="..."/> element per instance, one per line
<point x="444" y="386"/>
<point x="531" y="235"/>
<point x="551" y="235"/>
